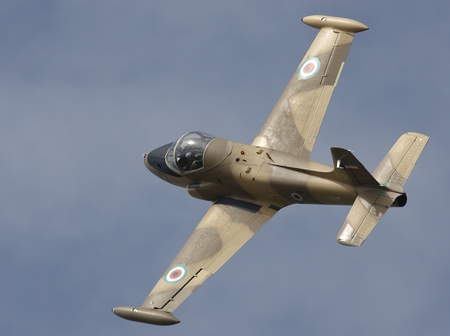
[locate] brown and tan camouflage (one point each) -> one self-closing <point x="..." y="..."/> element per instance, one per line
<point x="249" y="184"/>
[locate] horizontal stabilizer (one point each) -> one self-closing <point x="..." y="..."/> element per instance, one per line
<point x="365" y="213"/>
<point x="394" y="169"/>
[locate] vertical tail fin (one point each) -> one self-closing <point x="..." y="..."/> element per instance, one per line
<point x="394" y="169"/>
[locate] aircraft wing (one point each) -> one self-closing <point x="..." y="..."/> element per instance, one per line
<point x="225" y="228"/>
<point x="294" y="122"/>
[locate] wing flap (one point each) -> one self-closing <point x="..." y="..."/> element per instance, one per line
<point x="224" y="229"/>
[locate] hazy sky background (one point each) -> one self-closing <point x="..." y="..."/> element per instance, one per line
<point x="86" y="87"/>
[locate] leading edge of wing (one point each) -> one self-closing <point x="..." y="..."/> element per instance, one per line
<point x="294" y="123"/>
<point x="225" y="228"/>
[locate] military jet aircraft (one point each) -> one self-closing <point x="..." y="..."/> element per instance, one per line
<point x="249" y="184"/>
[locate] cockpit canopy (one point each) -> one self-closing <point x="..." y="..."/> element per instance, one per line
<point x="187" y="154"/>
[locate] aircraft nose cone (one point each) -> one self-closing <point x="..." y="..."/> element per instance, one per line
<point x="156" y="163"/>
<point x="155" y="158"/>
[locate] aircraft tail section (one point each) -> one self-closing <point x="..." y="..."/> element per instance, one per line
<point x="394" y="169"/>
<point x="367" y="210"/>
<point x="379" y="191"/>
<point x="349" y="170"/>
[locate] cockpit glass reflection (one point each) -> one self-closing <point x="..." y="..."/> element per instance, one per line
<point x="186" y="155"/>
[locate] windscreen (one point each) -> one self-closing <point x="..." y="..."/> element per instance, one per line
<point x="186" y="155"/>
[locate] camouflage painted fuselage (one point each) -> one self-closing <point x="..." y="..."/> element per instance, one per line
<point x="256" y="174"/>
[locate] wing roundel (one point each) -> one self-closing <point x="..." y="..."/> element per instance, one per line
<point x="294" y="123"/>
<point x="224" y="229"/>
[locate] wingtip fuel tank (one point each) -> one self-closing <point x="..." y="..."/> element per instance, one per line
<point x="145" y="315"/>
<point x="344" y="24"/>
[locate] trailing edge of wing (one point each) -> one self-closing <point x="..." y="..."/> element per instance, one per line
<point x="294" y="123"/>
<point x="224" y="229"/>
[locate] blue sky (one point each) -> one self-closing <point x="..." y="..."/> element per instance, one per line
<point x="86" y="87"/>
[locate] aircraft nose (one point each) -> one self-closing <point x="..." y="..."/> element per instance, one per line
<point x="155" y="158"/>
<point x="156" y="163"/>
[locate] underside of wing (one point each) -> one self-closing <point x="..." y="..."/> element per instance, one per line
<point x="294" y="123"/>
<point x="225" y="228"/>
